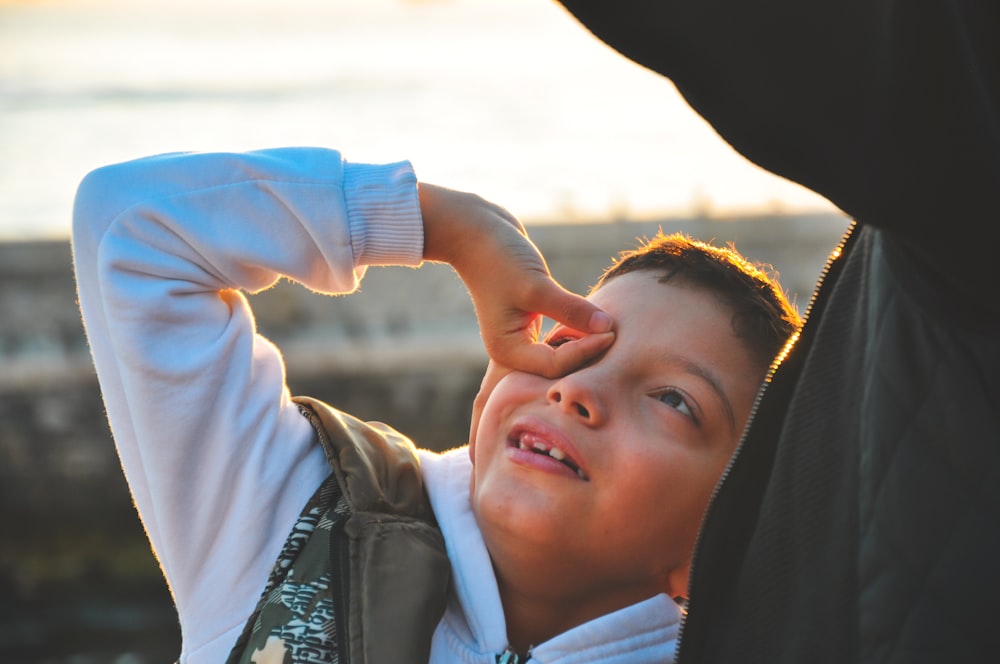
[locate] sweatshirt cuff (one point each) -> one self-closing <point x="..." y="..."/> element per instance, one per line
<point x="383" y="210"/>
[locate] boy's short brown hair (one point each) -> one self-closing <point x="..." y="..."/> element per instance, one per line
<point x="762" y="314"/>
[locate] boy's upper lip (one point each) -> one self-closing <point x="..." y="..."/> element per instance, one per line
<point x="540" y="431"/>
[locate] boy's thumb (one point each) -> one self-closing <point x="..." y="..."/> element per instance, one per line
<point x="581" y="314"/>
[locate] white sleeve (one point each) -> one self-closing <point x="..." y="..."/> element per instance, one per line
<point x="217" y="457"/>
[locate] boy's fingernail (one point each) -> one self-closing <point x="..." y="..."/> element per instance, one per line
<point x="600" y="322"/>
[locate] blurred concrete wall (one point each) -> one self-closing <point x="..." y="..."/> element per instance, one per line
<point x="404" y="350"/>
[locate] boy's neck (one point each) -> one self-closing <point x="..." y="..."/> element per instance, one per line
<point x="543" y="600"/>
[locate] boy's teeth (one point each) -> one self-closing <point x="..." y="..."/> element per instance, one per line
<point x="554" y="452"/>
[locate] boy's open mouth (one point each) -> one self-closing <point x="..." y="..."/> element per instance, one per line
<point x="532" y="443"/>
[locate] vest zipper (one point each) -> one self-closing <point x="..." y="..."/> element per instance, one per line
<point x="832" y="262"/>
<point x="510" y="657"/>
<point x="340" y="564"/>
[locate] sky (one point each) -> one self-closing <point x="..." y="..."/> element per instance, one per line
<point x="511" y="99"/>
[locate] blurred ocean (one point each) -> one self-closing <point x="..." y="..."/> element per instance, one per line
<point x="508" y="98"/>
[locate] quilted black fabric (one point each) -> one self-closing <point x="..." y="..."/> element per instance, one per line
<point x="863" y="525"/>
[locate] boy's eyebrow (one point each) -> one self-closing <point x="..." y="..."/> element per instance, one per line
<point x="713" y="381"/>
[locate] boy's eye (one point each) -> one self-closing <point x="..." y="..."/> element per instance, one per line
<point x="557" y="340"/>
<point x="675" y="399"/>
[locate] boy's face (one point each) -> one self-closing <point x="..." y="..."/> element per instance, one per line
<point x="609" y="468"/>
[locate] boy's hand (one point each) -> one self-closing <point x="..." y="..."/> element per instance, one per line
<point x="509" y="283"/>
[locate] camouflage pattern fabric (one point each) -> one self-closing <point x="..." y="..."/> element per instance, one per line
<point x="294" y="622"/>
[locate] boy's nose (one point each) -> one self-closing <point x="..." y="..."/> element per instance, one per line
<point x="574" y="397"/>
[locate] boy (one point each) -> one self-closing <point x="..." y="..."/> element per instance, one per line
<point x="567" y="526"/>
<point x="860" y="521"/>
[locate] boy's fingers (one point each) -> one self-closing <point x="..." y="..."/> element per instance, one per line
<point x="575" y="354"/>
<point x="574" y="311"/>
<point x="542" y="359"/>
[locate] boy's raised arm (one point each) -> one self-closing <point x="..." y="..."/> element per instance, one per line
<point x="218" y="459"/>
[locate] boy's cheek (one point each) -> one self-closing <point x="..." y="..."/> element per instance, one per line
<point x="503" y="393"/>
<point x="484" y="430"/>
<point x="472" y="487"/>
<point x="494" y="374"/>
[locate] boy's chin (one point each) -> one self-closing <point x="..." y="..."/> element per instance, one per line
<point x="521" y="517"/>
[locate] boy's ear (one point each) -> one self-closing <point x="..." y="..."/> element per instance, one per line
<point x="678" y="581"/>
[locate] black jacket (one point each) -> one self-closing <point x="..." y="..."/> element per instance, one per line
<point x="860" y="518"/>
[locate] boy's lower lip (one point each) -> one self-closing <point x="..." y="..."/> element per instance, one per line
<point x="541" y="462"/>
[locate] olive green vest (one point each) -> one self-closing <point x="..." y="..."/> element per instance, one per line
<point x="363" y="576"/>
